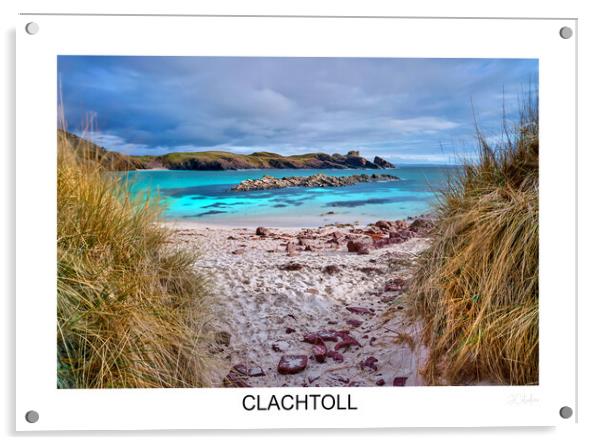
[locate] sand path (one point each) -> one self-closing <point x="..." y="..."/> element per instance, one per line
<point x="268" y="299"/>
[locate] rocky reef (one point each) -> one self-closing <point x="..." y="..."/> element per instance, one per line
<point x="318" y="180"/>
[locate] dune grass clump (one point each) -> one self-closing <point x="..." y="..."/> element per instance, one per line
<point x="131" y="309"/>
<point x="476" y="287"/>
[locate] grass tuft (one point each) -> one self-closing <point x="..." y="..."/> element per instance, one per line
<point x="132" y="312"/>
<point x="476" y="287"/>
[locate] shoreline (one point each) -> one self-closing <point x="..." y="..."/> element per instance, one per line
<point x="276" y="288"/>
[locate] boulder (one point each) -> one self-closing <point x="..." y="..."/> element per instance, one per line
<point x="262" y="231"/>
<point x="360" y="310"/>
<point x="320" y="350"/>
<point x="421" y="226"/>
<point x="384" y="225"/>
<point x="359" y="245"/>
<point x="400" y="381"/>
<point x="397" y="284"/>
<point x="346" y="342"/>
<point x="335" y="355"/>
<point x="291" y="266"/>
<point x="331" y="269"/>
<point x="370" y="362"/>
<point x="292" y="364"/>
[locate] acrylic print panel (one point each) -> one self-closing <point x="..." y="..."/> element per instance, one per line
<point x="306" y="189"/>
<point x="301" y="232"/>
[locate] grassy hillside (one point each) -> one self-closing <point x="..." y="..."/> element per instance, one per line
<point x="89" y="151"/>
<point x="217" y="160"/>
<point x="476" y="289"/>
<point x="221" y="160"/>
<point x="131" y="310"/>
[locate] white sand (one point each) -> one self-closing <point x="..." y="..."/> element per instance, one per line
<point x="257" y="302"/>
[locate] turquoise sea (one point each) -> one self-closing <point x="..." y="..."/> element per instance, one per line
<point x="206" y="196"/>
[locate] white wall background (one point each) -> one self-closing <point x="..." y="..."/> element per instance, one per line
<point x="590" y="76"/>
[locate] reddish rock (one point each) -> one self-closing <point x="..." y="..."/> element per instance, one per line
<point x="397" y="284"/>
<point x="320" y="336"/>
<point x="234" y="379"/>
<point x="292" y="364"/>
<point x="346" y="342"/>
<point x="385" y="225"/>
<point x="400" y="381"/>
<point x="336" y="356"/>
<point x="353" y="322"/>
<point x="402" y="234"/>
<point x="328" y="335"/>
<point x="358" y="245"/>
<point x="370" y="362"/>
<point x="256" y="372"/>
<point x="320" y="352"/>
<point x="311" y="337"/>
<point x="422" y="225"/>
<point x="262" y="231"/>
<point x="371" y="270"/>
<point x="291" y="266"/>
<point x="380" y="382"/>
<point x="331" y="269"/>
<point x="359" y="310"/>
<point x="387" y="299"/>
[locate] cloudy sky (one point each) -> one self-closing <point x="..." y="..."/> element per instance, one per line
<point x="406" y="110"/>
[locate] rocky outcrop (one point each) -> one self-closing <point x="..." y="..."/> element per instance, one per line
<point x="382" y="163"/>
<point x="319" y="180"/>
<point x="219" y="160"/>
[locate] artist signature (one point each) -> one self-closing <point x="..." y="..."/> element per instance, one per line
<point x="522" y="399"/>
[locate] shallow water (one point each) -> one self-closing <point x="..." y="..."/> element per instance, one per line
<point x="206" y="196"/>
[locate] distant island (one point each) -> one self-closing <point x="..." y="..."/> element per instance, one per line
<point x="222" y="160"/>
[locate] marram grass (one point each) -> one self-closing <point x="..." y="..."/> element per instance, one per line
<point x="132" y="312"/>
<point x="476" y="287"/>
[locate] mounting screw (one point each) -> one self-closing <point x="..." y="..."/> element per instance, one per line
<point x="32" y="28"/>
<point x="32" y="416"/>
<point x="566" y="412"/>
<point x="566" y="32"/>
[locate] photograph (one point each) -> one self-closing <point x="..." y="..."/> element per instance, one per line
<point x="262" y="222"/>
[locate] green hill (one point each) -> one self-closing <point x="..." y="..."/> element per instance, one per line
<point x="223" y="160"/>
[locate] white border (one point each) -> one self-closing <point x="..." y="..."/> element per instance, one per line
<point x="351" y="37"/>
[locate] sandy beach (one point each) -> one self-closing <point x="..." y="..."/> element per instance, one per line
<point x="302" y="294"/>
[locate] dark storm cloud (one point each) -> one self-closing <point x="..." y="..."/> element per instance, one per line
<point x="413" y="110"/>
